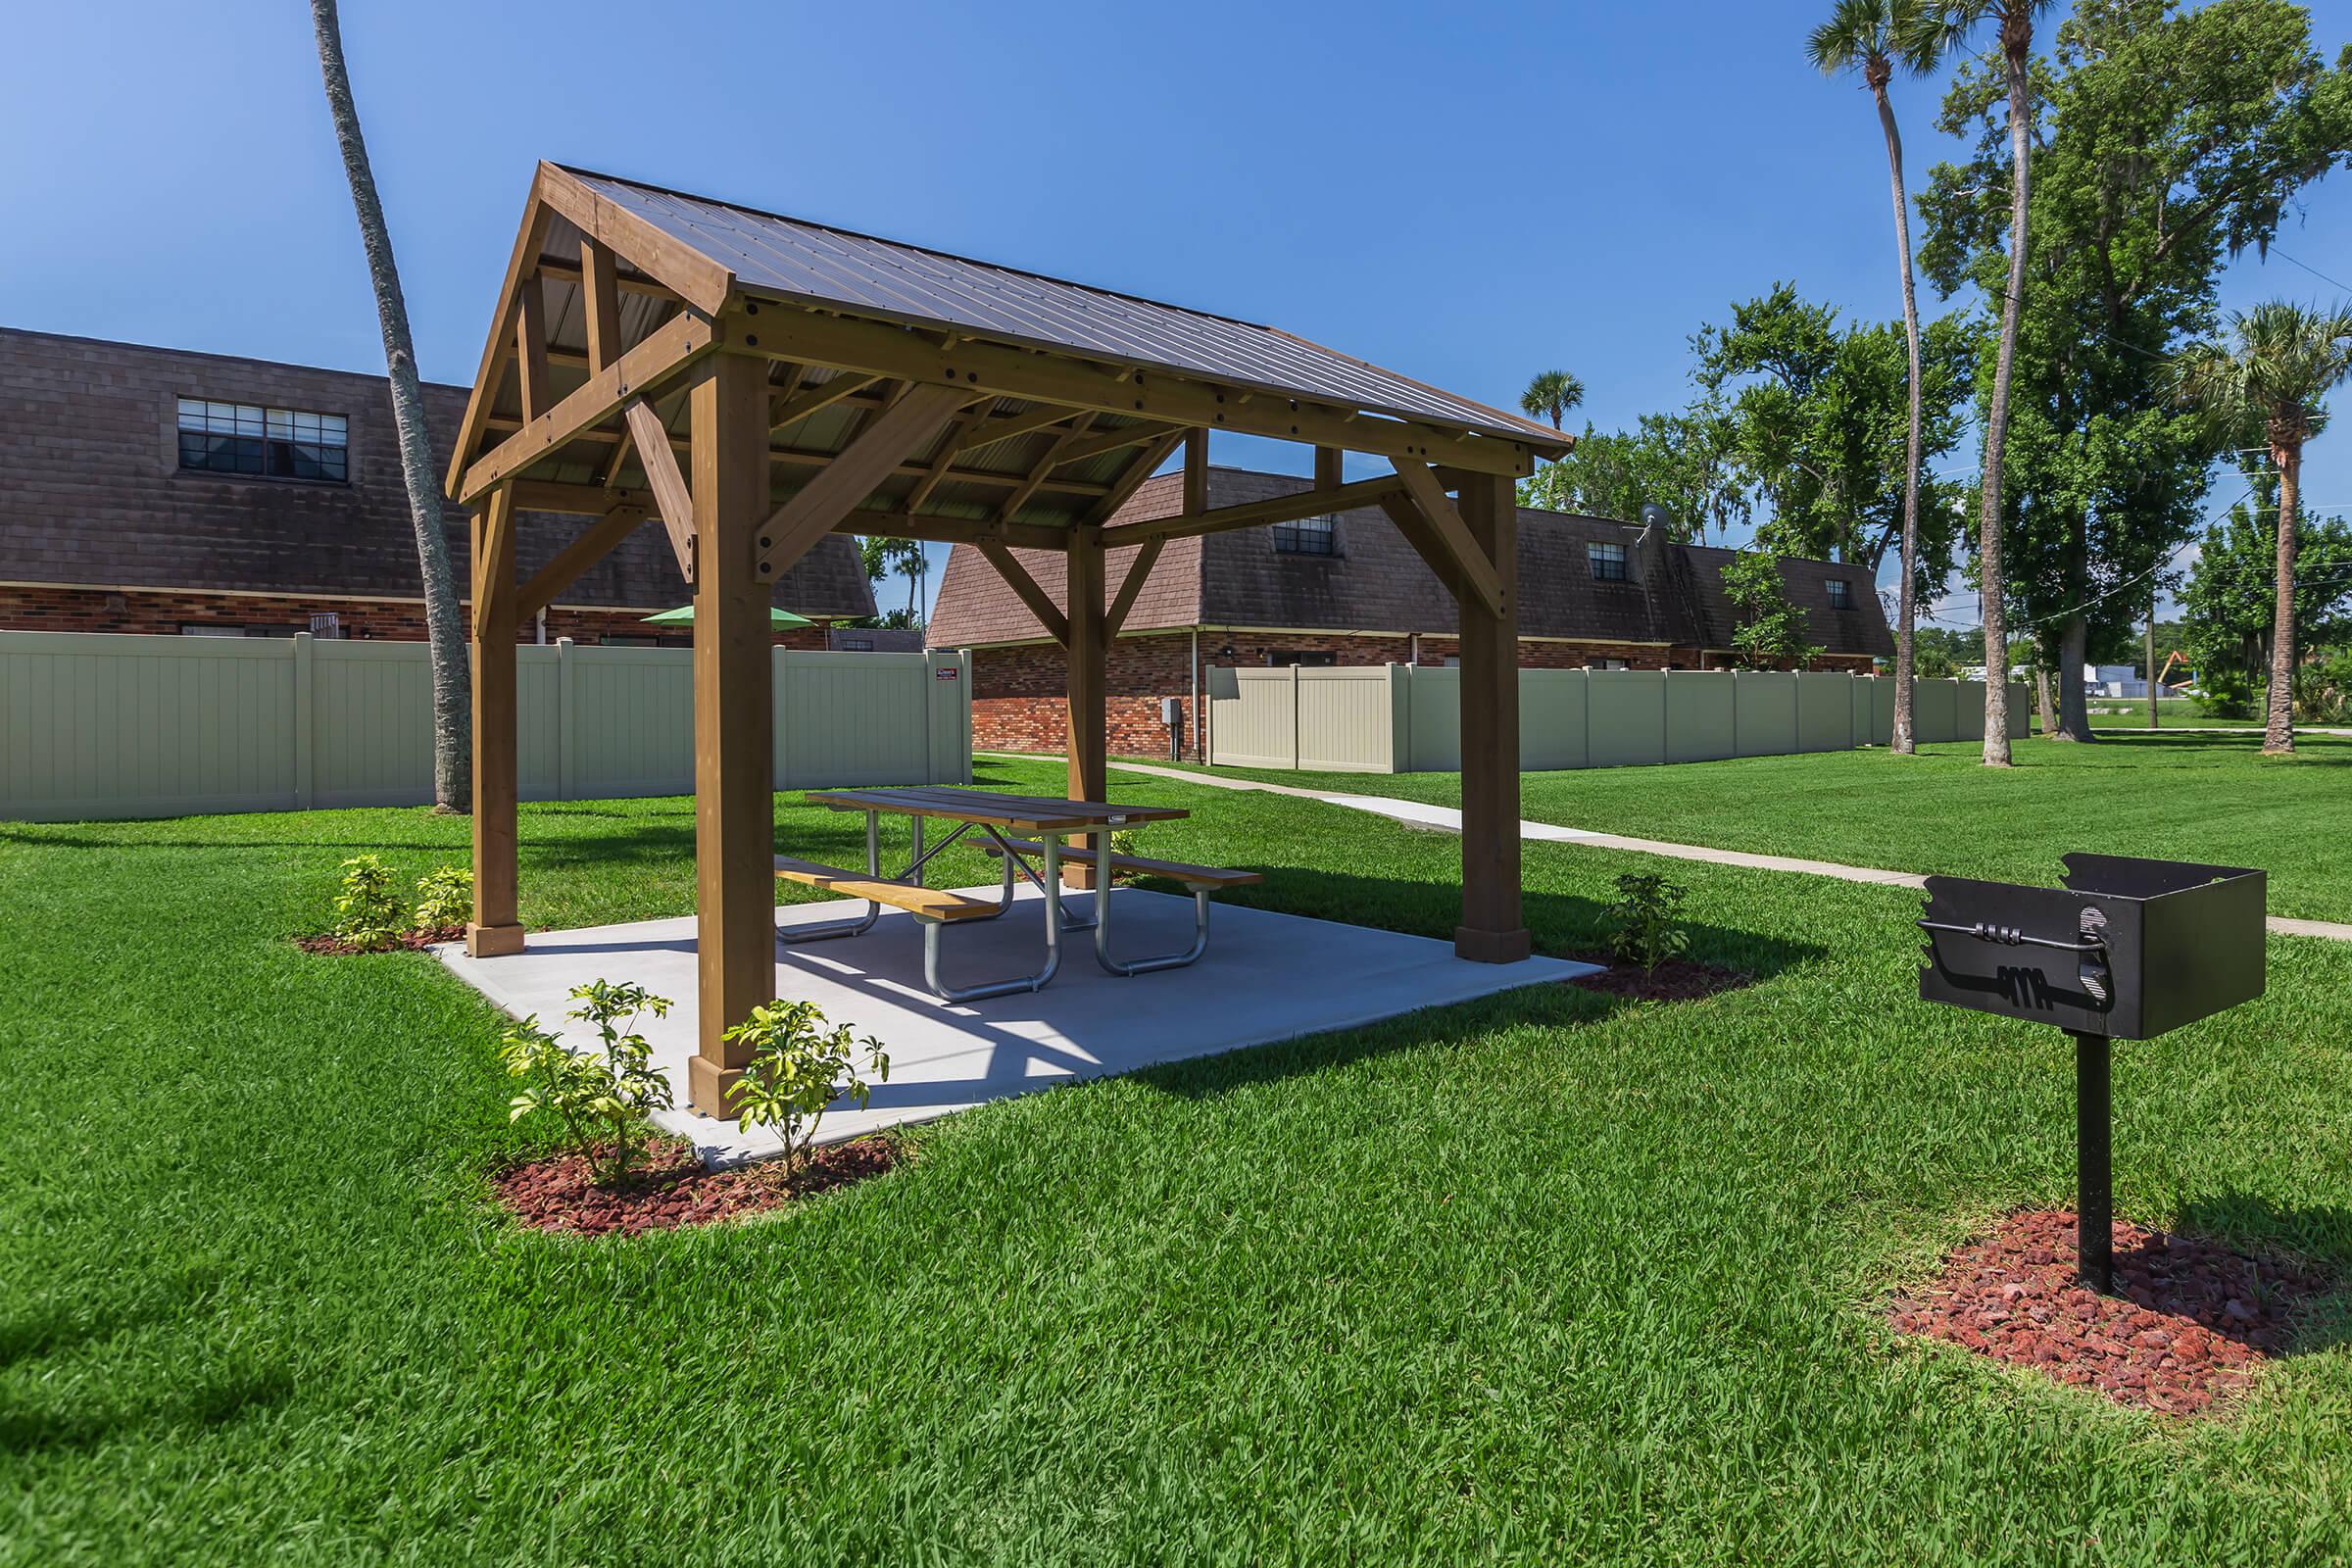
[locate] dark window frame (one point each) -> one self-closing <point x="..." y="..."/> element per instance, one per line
<point x="229" y="440"/>
<point x="1841" y="593"/>
<point x="1316" y="537"/>
<point x="1607" y="561"/>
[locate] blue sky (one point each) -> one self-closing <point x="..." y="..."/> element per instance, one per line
<point x="1467" y="195"/>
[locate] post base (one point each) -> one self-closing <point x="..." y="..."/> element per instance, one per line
<point x="492" y="941"/>
<point x="1491" y="947"/>
<point x="706" y="1086"/>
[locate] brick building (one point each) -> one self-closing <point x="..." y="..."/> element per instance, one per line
<point x="1349" y="590"/>
<point x="156" y="490"/>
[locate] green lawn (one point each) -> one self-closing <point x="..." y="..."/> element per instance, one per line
<point x="2210" y="798"/>
<point x="1539" y="1279"/>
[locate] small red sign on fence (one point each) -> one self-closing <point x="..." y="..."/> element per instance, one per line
<point x="944" y="672"/>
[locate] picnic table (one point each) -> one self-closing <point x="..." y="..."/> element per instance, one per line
<point x="1025" y="832"/>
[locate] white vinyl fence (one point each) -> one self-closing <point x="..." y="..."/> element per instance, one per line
<point x="101" y="725"/>
<point x="1408" y="718"/>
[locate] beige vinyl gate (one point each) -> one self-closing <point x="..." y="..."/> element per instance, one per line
<point x="103" y="725"/>
<point x="1407" y="719"/>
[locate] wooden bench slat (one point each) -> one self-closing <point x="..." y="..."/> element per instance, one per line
<point x="1205" y="877"/>
<point x="935" y="903"/>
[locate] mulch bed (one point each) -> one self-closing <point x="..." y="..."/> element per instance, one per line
<point x="2190" y="1324"/>
<point x="414" y="941"/>
<point x="1675" y="980"/>
<point x="669" y="1188"/>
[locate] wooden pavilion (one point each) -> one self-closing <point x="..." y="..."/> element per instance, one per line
<point x="757" y="383"/>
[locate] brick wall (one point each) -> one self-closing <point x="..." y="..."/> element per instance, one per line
<point x="53" y="608"/>
<point x="1018" y="701"/>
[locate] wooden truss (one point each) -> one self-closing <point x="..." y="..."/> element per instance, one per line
<point x="759" y="425"/>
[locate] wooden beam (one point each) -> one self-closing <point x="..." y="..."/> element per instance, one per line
<point x="1196" y="471"/>
<point x="699" y="281"/>
<point x="939" y="464"/>
<point x="600" y="299"/>
<point x="530" y="346"/>
<point x="1257" y="514"/>
<point x="1328" y="474"/>
<point x="496" y="927"/>
<point x="626" y="282"/>
<point x="1493" y="929"/>
<point x="883" y="348"/>
<point x="1131" y="478"/>
<point x="1005" y="427"/>
<point x="590" y="546"/>
<point x="1024" y="587"/>
<point x="734" y="720"/>
<point x="673" y="497"/>
<point x="1417" y="530"/>
<point x="1102" y="441"/>
<point x="501" y="342"/>
<point x="1138" y="570"/>
<point x="941" y="530"/>
<point x="1032" y="483"/>
<point x="793" y="410"/>
<point x="843" y="485"/>
<point x="1089" y="683"/>
<point x="669" y="349"/>
<point x="1470" y="561"/>
<point x="578" y="500"/>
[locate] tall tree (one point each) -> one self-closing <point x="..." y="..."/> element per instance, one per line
<point x="1551" y="395"/>
<point x="1814" y="419"/>
<point x="2165" y="141"/>
<point x="1675" y="461"/>
<point x="1933" y="40"/>
<point x="445" y="627"/>
<point x="2230" y="602"/>
<point x="2273" y="374"/>
<point x="1871" y="35"/>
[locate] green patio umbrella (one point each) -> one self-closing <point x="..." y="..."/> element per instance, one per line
<point x="683" y="615"/>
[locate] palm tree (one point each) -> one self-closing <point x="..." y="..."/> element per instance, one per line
<point x="445" y="627"/>
<point x="2282" y="361"/>
<point x="1873" y="34"/>
<point x="1551" y="395"/>
<point x="1937" y="34"/>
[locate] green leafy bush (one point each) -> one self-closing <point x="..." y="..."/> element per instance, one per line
<point x="798" y="1068"/>
<point x="1644" y="926"/>
<point x="600" y="1097"/>
<point x="2224" y="694"/>
<point x="2323" y="690"/>
<point x="368" y="913"/>
<point x="444" y="897"/>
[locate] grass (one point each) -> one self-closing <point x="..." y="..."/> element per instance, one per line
<point x="2116" y="712"/>
<point x="1539" y="1279"/>
<point x="2208" y="797"/>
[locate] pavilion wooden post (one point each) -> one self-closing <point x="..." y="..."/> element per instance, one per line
<point x="1493" y="930"/>
<point x="734" y="721"/>
<point x="1089" y="671"/>
<point x="496" y="927"/>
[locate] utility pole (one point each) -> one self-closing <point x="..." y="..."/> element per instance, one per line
<point x="2151" y="661"/>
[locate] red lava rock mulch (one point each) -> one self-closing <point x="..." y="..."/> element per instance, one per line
<point x="669" y="1188"/>
<point x="413" y="940"/>
<point x="1675" y="980"/>
<point x="2190" y="1323"/>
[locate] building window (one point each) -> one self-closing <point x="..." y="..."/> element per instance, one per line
<point x="263" y="443"/>
<point x="1305" y="657"/>
<point x="855" y="644"/>
<point x="1841" y="594"/>
<point x="1607" y="561"/>
<point x="1307" y="536"/>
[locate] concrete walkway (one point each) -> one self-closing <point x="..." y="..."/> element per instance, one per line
<point x="1446" y="818"/>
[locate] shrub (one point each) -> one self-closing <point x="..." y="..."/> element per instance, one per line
<point x="600" y="1097"/>
<point x="2323" y="690"/>
<point x="2223" y="694"/>
<point x="444" y="897"/>
<point x="368" y="913"/>
<point x="1643" y="927"/>
<point x="798" y="1068"/>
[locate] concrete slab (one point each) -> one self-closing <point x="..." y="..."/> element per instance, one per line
<point x="1266" y="977"/>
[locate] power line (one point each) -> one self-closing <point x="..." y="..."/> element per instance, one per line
<point x="2313" y="271"/>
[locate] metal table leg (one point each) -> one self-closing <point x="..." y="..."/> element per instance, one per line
<point x="1134" y="966"/>
<point x="1001" y="988"/>
<point x="873" y="912"/>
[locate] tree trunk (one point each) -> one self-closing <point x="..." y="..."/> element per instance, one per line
<point x="2041" y="694"/>
<point x="2279" y="735"/>
<point x="1905" y="741"/>
<point x="2073" y="706"/>
<point x="2149" y="656"/>
<point x="2014" y="54"/>
<point x="453" y="785"/>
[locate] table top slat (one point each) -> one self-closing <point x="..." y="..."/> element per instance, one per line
<point x="1033" y="814"/>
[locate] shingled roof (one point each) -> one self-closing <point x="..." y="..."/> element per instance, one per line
<point x="1378" y="584"/>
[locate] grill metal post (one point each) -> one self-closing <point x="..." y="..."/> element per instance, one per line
<point x="2094" y="1183"/>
